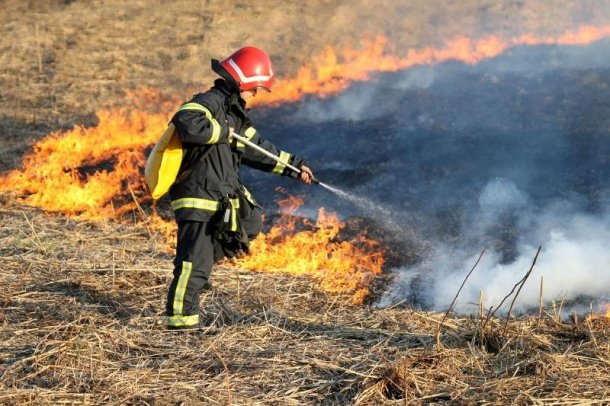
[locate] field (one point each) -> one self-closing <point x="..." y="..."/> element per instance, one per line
<point x="82" y="300"/>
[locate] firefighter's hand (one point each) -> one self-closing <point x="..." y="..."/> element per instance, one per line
<point x="306" y="175"/>
<point x="230" y="137"/>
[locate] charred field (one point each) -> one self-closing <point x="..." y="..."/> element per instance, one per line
<point x="505" y="153"/>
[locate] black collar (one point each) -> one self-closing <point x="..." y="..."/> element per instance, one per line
<point x="232" y="94"/>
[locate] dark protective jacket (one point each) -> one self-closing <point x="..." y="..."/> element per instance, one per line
<point x="208" y="176"/>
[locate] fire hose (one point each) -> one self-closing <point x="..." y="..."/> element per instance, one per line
<point x="245" y="141"/>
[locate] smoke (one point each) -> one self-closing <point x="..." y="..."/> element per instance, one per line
<point x="355" y="104"/>
<point x="574" y="260"/>
<point x="507" y="155"/>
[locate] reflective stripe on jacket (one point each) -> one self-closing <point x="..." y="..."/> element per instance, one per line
<point x="204" y="135"/>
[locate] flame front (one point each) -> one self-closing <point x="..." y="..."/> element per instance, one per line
<point x="88" y="171"/>
<point x="95" y="173"/>
<point x="334" y="70"/>
<point x="347" y="267"/>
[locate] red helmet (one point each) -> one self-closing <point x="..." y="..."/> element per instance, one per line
<point x="248" y="67"/>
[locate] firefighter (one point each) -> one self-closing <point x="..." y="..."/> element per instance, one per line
<point x="216" y="215"/>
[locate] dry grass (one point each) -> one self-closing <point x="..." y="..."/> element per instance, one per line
<point x="82" y="307"/>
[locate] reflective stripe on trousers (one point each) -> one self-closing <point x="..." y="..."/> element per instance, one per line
<point x="192" y="267"/>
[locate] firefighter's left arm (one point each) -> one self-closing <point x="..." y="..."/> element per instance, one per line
<point x="260" y="161"/>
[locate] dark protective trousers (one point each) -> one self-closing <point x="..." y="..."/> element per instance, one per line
<point x="195" y="256"/>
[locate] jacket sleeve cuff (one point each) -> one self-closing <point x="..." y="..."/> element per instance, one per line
<point x="224" y="134"/>
<point x="297" y="162"/>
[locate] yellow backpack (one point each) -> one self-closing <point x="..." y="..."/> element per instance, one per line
<point x="164" y="161"/>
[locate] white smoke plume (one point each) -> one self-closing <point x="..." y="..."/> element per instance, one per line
<point x="574" y="261"/>
<point x="507" y="155"/>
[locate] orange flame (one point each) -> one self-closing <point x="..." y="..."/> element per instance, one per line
<point x="95" y="173"/>
<point x="347" y="267"/>
<point x="334" y="70"/>
<point x="87" y="171"/>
